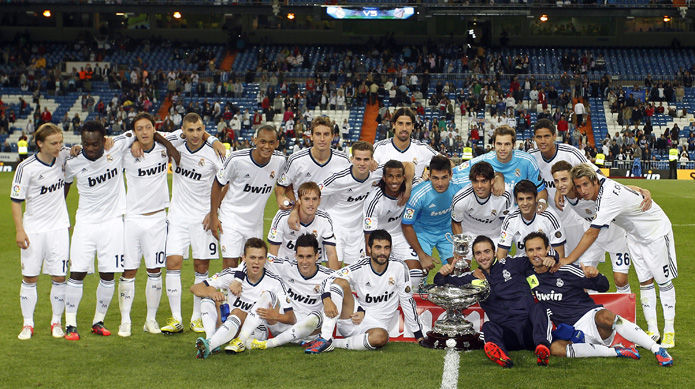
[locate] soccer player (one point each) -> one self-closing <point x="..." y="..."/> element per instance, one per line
<point x="382" y="212"/>
<point x="515" y="322"/>
<point x="611" y="239"/>
<point x="98" y="222"/>
<point x="513" y="165"/>
<point x="251" y="175"/>
<point x="649" y="239"/>
<point x="255" y="302"/>
<point x="563" y="294"/>
<point x="475" y="210"/>
<point x="401" y="147"/>
<point x="190" y="204"/>
<point x="42" y="230"/>
<point x="525" y="220"/>
<point x="427" y="215"/>
<point x="380" y="285"/>
<point x="303" y="277"/>
<point x="283" y="239"/>
<point x="314" y="164"/>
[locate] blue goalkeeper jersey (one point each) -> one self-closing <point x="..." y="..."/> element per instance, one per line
<point x="428" y="211"/>
<point x="522" y="166"/>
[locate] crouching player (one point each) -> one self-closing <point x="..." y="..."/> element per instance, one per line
<point x="256" y="302"/>
<point x="516" y="321"/>
<point x="381" y="284"/>
<point x="562" y="293"/>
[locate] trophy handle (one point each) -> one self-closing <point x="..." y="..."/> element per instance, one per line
<point x="450" y="237"/>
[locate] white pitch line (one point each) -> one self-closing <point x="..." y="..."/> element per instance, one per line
<point x="450" y="375"/>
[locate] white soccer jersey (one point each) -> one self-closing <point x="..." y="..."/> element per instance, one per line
<point x="100" y="182"/>
<point x="611" y="239"/>
<point x="380" y="294"/>
<point x="418" y="153"/>
<point x="304" y="292"/>
<point x="41" y="186"/>
<point x="250" y="185"/>
<point x="343" y="196"/>
<point x="281" y="233"/>
<point x="621" y="205"/>
<point x="146" y="179"/>
<point x="480" y="217"/>
<point x="515" y="228"/>
<point x="250" y="293"/>
<point x="301" y="167"/>
<point x="192" y="182"/>
<point x="382" y="212"/>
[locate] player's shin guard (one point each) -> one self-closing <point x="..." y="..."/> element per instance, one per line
<point x="632" y="333"/>
<point x="585" y="350"/>
<point x="300" y="330"/>
<point x="104" y="296"/>
<point x="199" y="277"/>
<point x="27" y="301"/>
<point x="357" y="342"/>
<point x="57" y="301"/>
<point x="208" y="315"/>
<point x="667" y="295"/>
<point x="226" y="332"/>
<point x="126" y="294"/>
<point x="153" y="294"/>
<point x="253" y="320"/>
<point x="648" y="300"/>
<point x="174" y="293"/>
<point x="73" y="296"/>
<point x="329" y="322"/>
<point x="416" y="278"/>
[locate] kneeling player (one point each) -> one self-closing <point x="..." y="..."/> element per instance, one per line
<point x="562" y="293"/>
<point x="375" y="280"/>
<point x="255" y="302"/>
<point x="516" y="321"/>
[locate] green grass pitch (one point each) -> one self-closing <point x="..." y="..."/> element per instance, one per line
<point x="146" y="360"/>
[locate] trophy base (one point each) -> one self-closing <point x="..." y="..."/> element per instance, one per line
<point x="463" y="342"/>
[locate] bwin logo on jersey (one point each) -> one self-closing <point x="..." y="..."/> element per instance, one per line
<point x="369" y="299"/>
<point x="552" y="296"/>
<point x="301" y="299"/>
<point x="244" y="306"/>
<point x="258" y="189"/>
<point x="162" y="167"/>
<point x="92" y="181"/>
<point x="442" y="212"/>
<point x="351" y="199"/>
<point x="51" y="188"/>
<point x="507" y="276"/>
<point x="192" y="174"/>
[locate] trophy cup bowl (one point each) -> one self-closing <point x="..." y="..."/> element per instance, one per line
<point x="462" y="250"/>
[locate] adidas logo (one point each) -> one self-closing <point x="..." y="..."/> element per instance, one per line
<point x="367" y="284"/>
<point x="308" y="174"/>
<point x="247" y="175"/>
<point x="349" y="190"/>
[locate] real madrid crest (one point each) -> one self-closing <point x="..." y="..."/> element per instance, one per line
<point x="109" y="157"/>
<point x="272" y="174"/>
<point x="560" y="283"/>
<point x="201" y="162"/>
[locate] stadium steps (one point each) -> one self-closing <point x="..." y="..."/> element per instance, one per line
<point x="368" y="132"/>
<point x="228" y="61"/>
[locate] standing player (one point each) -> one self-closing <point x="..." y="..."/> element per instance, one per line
<point x="612" y="239"/>
<point x="255" y="302"/>
<point x="314" y="164"/>
<point x="380" y="284"/>
<point x="563" y="294"/>
<point x="475" y="210"/>
<point x="513" y="165"/>
<point x="382" y="212"/>
<point x="98" y="222"/>
<point x="427" y="215"/>
<point x="190" y="203"/>
<point x="42" y="232"/>
<point x="283" y="239"/>
<point x="649" y="239"/>
<point x="401" y="147"/>
<point x="525" y="220"/>
<point x="303" y="277"/>
<point x="251" y="175"/>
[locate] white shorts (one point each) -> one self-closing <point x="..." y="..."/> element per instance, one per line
<point x="401" y="250"/>
<point x="104" y="239"/>
<point x="181" y="236"/>
<point x="349" y="245"/>
<point x="233" y="239"/>
<point x="587" y="324"/>
<point x="49" y="249"/>
<point x="145" y="235"/>
<point x="347" y="328"/>
<point x="655" y="259"/>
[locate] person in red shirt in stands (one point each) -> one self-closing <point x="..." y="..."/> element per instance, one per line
<point x="46" y="116"/>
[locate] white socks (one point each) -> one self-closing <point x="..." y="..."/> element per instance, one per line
<point x="126" y="294"/>
<point x="104" y="296"/>
<point x="632" y="333"/>
<point x="57" y="300"/>
<point x="174" y="293"/>
<point x="225" y="333"/>
<point x="153" y="294"/>
<point x="623" y="289"/>
<point x="252" y="321"/>
<point x="329" y="322"/>
<point x="357" y="342"/>
<point x="300" y="330"/>
<point x="648" y="300"/>
<point x="73" y="295"/>
<point x="667" y="295"/>
<point x="208" y="315"/>
<point x="586" y="350"/>
<point x="199" y="277"/>
<point x="27" y="301"/>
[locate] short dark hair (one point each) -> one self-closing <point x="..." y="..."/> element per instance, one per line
<point x="403" y="111"/>
<point x="560" y="166"/>
<point x="192" y="117"/>
<point x="440" y="163"/>
<point x="144" y="115"/>
<point x="308" y="187"/>
<point x="482" y="168"/>
<point x="544" y="123"/>
<point x="307" y="240"/>
<point x="537" y="234"/>
<point x="361" y="145"/>
<point x="481" y="239"/>
<point x="525" y="186"/>
<point x="378" y="235"/>
<point x="93" y="126"/>
<point x="392" y="164"/>
<point x="255" y="243"/>
<point x="267" y="127"/>
<point x="504" y="130"/>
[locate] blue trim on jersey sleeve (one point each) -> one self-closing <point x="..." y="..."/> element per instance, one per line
<point x="328" y="243"/>
<point x="274" y="242"/>
<point x="17" y="200"/>
<point x="598" y="227"/>
<point x="503" y="246"/>
<point x="559" y="244"/>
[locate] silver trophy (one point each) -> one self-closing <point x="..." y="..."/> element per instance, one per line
<point x="462" y="250"/>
